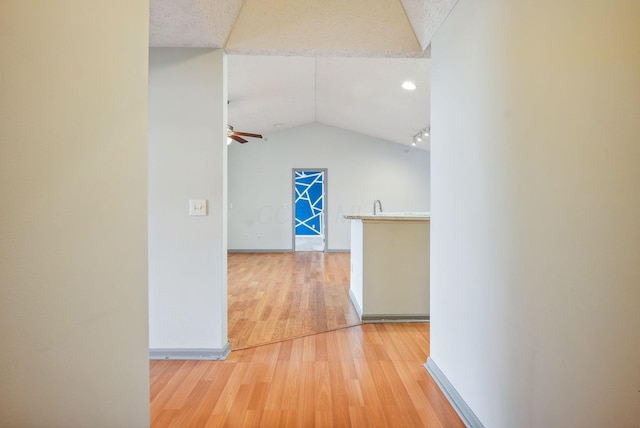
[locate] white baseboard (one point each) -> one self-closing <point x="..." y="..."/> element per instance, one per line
<point x="355" y="304"/>
<point x="379" y="318"/>
<point x="190" y="354"/>
<point x="464" y="411"/>
<point x="231" y="250"/>
<point x="280" y="250"/>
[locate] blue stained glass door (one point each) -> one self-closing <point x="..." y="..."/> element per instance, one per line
<point x="309" y="201"/>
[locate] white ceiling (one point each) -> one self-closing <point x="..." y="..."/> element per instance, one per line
<point x="358" y="94"/>
<point x="293" y="62"/>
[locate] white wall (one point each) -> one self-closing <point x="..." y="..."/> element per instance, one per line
<point x="187" y="160"/>
<point x="535" y="273"/>
<point x="361" y="169"/>
<point x="73" y="223"/>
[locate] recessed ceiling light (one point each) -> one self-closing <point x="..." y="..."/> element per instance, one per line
<point x="277" y="125"/>
<point x="409" y="86"/>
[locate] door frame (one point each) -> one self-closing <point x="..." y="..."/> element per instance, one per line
<point x="324" y="206"/>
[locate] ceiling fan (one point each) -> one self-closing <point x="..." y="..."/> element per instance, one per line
<point x="237" y="135"/>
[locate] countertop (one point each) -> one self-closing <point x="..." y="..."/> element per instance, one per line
<point x="391" y="216"/>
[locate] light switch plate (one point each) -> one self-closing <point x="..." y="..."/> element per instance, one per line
<point x="198" y="207"/>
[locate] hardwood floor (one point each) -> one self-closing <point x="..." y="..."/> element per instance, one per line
<point x="370" y="375"/>
<point x="277" y="296"/>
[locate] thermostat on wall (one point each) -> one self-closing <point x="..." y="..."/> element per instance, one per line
<point x="198" y="207"/>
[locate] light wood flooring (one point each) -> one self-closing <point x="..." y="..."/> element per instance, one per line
<point x="277" y="296"/>
<point x="370" y="375"/>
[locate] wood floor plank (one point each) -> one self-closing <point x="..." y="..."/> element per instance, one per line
<point x="252" y="418"/>
<point x="187" y="414"/>
<point x="160" y="375"/>
<point x="370" y="394"/>
<point x="307" y="395"/>
<point x="222" y="409"/>
<point x="270" y="418"/>
<point x="339" y="396"/>
<point x="194" y="371"/>
<point x="322" y="384"/>
<point x="275" y="396"/>
<point x="241" y="399"/>
<point x="217" y="383"/>
<point x="354" y="392"/>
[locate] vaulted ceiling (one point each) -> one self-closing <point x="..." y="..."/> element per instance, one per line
<point x="293" y="62"/>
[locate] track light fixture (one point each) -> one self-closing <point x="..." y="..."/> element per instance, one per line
<point x="422" y="135"/>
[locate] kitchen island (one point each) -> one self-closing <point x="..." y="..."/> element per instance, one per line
<point x="390" y="266"/>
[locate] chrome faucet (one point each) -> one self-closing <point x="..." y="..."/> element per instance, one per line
<point x="377" y="202"/>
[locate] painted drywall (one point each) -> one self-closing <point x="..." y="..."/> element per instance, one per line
<point x="73" y="223"/>
<point x="361" y="169"/>
<point x="535" y="236"/>
<point x="395" y="252"/>
<point x="357" y="265"/>
<point x="187" y="160"/>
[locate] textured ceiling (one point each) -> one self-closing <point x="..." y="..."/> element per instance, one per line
<point x="389" y="28"/>
<point x="307" y="27"/>
<point x="192" y="23"/>
<point x="293" y="62"/>
<point x="426" y="16"/>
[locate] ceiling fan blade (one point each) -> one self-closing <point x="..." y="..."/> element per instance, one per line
<point x="247" y="134"/>
<point x="238" y="139"/>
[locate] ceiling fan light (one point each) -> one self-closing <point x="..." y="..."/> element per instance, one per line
<point x="229" y="141"/>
